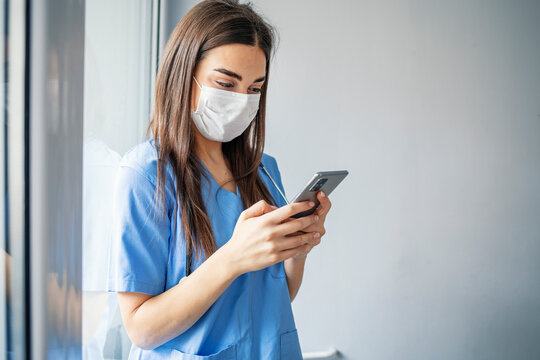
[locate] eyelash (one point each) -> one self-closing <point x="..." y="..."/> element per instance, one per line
<point x="224" y="84"/>
<point x="227" y="85"/>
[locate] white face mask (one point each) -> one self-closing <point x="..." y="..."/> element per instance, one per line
<point x="222" y="115"/>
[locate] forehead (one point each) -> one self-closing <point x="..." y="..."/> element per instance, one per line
<point x="248" y="61"/>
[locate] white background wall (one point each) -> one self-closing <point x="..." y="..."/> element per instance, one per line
<point x="432" y="248"/>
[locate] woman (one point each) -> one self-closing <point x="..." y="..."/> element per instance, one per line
<point x="196" y="184"/>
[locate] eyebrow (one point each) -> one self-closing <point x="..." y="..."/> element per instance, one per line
<point x="235" y="75"/>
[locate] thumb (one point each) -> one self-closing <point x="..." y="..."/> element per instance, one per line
<point x="259" y="208"/>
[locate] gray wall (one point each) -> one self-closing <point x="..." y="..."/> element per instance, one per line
<point x="432" y="248"/>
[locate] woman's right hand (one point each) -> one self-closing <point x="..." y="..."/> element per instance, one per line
<point x="260" y="236"/>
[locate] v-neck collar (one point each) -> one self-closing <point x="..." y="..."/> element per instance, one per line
<point x="215" y="182"/>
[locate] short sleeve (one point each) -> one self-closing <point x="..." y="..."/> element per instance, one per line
<point x="140" y="236"/>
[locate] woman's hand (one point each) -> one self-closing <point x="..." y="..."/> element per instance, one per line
<point x="262" y="236"/>
<point x="317" y="226"/>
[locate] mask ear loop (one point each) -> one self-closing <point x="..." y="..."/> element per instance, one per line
<point x="200" y="87"/>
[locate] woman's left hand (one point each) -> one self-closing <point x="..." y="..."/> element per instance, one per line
<point x="318" y="226"/>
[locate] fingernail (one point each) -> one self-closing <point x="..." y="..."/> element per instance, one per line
<point x="316" y="217"/>
<point x="316" y="235"/>
<point x="323" y="194"/>
<point x="311" y="203"/>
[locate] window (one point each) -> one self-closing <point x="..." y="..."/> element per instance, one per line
<point x="119" y="45"/>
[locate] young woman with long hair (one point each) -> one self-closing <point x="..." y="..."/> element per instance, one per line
<point x="206" y="257"/>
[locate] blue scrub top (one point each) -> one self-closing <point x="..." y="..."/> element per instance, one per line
<point x="252" y="319"/>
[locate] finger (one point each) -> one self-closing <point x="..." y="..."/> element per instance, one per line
<point x="259" y="208"/>
<point x="286" y="220"/>
<point x="271" y="208"/>
<point x="299" y="232"/>
<point x="317" y="227"/>
<point x="296" y="224"/>
<point x="289" y="210"/>
<point x="322" y="212"/>
<point x="325" y="203"/>
<point x="296" y="241"/>
<point x="302" y="249"/>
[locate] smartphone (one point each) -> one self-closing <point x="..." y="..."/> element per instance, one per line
<point x="325" y="181"/>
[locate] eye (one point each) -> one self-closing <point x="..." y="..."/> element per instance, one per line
<point x="228" y="85"/>
<point x="257" y="90"/>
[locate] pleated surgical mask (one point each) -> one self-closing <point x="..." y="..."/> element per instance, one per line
<point x="222" y="115"/>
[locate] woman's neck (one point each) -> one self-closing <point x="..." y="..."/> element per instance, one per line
<point x="209" y="151"/>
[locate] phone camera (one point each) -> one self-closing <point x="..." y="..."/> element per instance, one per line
<point x="319" y="184"/>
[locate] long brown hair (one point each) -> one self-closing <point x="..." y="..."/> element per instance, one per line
<point x="207" y="25"/>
